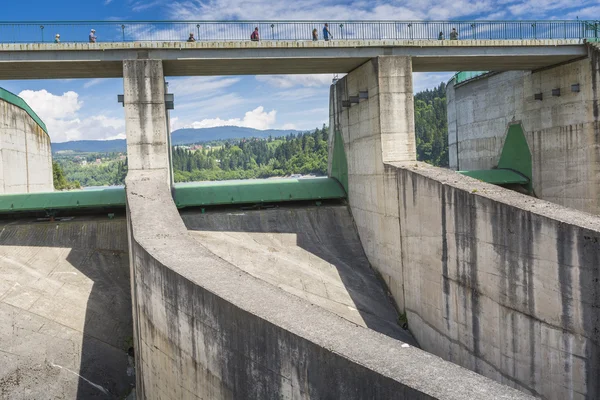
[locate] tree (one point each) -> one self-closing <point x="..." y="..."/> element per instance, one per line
<point x="60" y="182"/>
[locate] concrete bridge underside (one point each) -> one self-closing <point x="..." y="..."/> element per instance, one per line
<point x="104" y="60"/>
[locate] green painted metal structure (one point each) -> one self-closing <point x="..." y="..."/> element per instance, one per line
<point x="185" y="195"/>
<point x="257" y="191"/>
<point x="22" y="104"/>
<point x="464" y="76"/>
<point x="514" y="165"/>
<point x="339" y="162"/>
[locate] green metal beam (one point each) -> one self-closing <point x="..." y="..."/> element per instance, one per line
<point x="186" y="195"/>
<point x="74" y="199"/>
<point x="257" y="191"/>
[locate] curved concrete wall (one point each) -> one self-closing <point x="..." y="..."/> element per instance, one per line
<point x="205" y="329"/>
<point x="208" y="330"/>
<point x="563" y="132"/>
<point x="25" y="152"/>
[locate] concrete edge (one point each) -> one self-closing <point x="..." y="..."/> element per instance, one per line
<point x="157" y="228"/>
<point x="521" y="201"/>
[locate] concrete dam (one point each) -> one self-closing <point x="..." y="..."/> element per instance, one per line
<point x="307" y="300"/>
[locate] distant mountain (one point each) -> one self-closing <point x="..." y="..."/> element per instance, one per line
<point x="187" y="136"/>
<point x="88" y="146"/>
<point x="178" y="137"/>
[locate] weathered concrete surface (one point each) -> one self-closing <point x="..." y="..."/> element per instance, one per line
<point x="65" y="308"/>
<point x="376" y="131"/>
<point x="311" y="252"/>
<point x="104" y="60"/>
<point x="25" y="153"/>
<point x="206" y="329"/>
<point x="563" y="132"/>
<point x="501" y="283"/>
<point x="145" y="115"/>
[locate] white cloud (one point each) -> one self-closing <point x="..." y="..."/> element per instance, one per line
<point x="142" y="5"/>
<point x="288" y="81"/>
<point x="200" y="86"/>
<point x="60" y="113"/>
<point x="379" y="10"/>
<point x="257" y="119"/>
<point x="288" y="126"/>
<point x="429" y="80"/>
<point x="107" y="2"/>
<point x="92" y="82"/>
<point x="48" y="105"/>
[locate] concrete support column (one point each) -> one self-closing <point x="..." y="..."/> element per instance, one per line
<point x="372" y="109"/>
<point x="145" y="116"/>
<point x="394" y="94"/>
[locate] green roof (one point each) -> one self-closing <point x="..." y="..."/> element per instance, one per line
<point x="22" y="104"/>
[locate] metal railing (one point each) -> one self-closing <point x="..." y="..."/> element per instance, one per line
<point x="176" y="31"/>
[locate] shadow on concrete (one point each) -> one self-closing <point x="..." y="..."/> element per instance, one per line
<point x="75" y="277"/>
<point x="262" y="242"/>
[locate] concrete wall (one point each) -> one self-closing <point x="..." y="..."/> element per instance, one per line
<point x="25" y="153"/>
<point x="205" y="329"/>
<point x="377" y="131"/>
<point x="501" y="283"/>
<point x="562" y="132"/>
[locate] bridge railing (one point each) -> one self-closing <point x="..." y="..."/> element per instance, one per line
<point x="159" y="31"/>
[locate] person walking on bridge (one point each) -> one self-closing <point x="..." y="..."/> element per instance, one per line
<point x="326" y="33"/>
<point x="93" y="36"/>
<point x="254" y="37"/>
<point x="191" y="38"/>
<point x="454" y="34"/>
<point x="441" y="36"/>
<point x="57" y="38"/>
<point x="315" y="34"/>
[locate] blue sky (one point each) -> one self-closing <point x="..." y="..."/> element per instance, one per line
<point x="87" y="108"/>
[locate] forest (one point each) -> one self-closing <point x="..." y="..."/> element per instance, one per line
<point x="303" y="153"/>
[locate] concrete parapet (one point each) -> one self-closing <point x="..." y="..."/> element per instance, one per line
<point x="205" y="329"/>
<point x="502" y="283"/>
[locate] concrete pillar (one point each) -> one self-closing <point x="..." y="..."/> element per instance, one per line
<point x="376" y="131"/>
<point x="145" y="116"/>
<point x="396" y="108"/>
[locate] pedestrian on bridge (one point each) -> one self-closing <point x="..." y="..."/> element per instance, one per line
<point x="57" y="38"/>
<point x="454" y="34"/>
<point x="315" y="34"/>
<point x="93" y="36"/>
<point x="326" y="33"/>
<point x="191" y="38"/>
<point x="441" y="36"/>
<point x="254" y="37"/>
